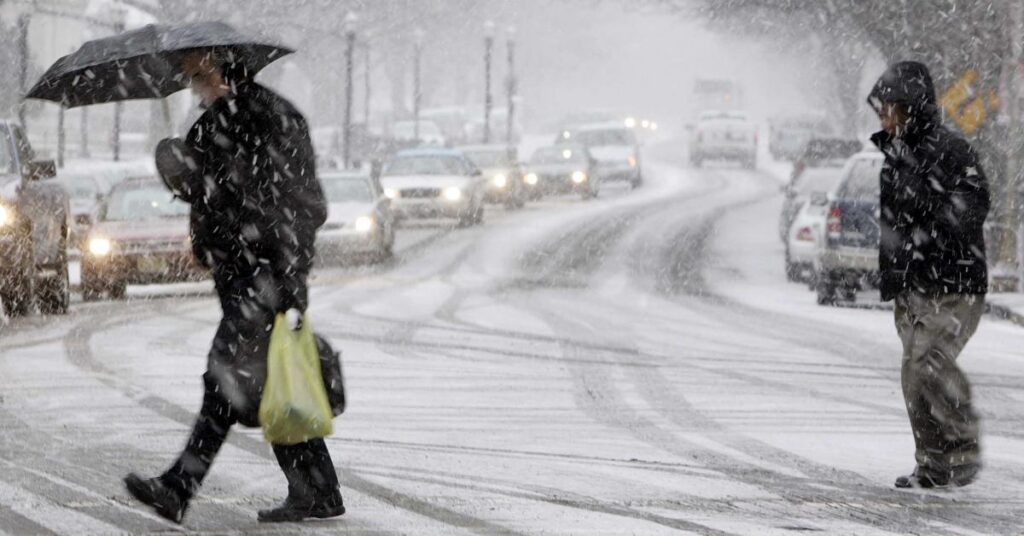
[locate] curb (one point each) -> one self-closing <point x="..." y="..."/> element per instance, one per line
<point x="1004" y="313"/>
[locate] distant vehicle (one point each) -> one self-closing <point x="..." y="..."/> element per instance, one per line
<point x="500" y="166"/>
<point x="359" y="218"/>
<point x="562" y="169"/>
<point x="788" y="136"/>
<point x="716" y="94"/>
<point x="87" y="190"/>
<point x="434" y="183"/>
<point x="615" y="149"/>
<point x="804" y="229"/>
<point x="35" y="227"/>
<point x="829" y="155"/>
<point x="727" y="136"/>
<point x="451" y="120"/>
<point x="848" y="261"/>
<point x="141" y="236"/>
<point x="429" y="133"/>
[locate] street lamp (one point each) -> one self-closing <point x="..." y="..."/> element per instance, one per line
<point x="23" y="22"/>
<point x="417" y="89"/>
<point x="510" y="34"/>
<point x="366" y="80"/>
<point x="488" y="48"/>
<point x="350" y="40"/>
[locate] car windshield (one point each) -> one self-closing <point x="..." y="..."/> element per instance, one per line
<point x="489" y="159"/>
<point x="143" y="202"/>
<point x="426" y="165"/>
<point x="79" y="187"/>
<point x="557" y="155"/>
<point x="863" y="182"/>
<point x="604" y="137"/>
<point x="347" y="189"/>
<point x="818" y="180"/>
<point x="829" y="149"/>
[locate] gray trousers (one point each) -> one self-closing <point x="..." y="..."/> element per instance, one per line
<point x="934" y="331"/>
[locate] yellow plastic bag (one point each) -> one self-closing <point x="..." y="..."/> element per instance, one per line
<point x="294" y="408"/>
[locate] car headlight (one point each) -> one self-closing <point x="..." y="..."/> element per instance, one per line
<point x="364" y="224"/>
<point x="500" y="180"/>
<point x="391" y="193"/>
<point x="632" y="161"/>
<point x="6" y="216"/>
<point x="99" y="246"/>
<point x="579" y="177"/>
<point x="452" y="194"/>
<point x="530" y="178"/>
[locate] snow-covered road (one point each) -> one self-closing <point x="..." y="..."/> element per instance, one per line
<point x="631" y="365"/>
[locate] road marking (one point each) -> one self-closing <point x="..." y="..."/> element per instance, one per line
<point x="52" y="515"/>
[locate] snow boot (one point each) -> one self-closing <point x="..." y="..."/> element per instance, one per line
<point x="153" y="492"/>
<point x="296" y="509"/>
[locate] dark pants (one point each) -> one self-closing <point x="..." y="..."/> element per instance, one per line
<point x="934" y="330"/>
<point x="307" y="466"/>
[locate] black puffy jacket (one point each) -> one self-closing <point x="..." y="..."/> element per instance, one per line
<point x="260" y="202"/>
<point x="934" y="196"/>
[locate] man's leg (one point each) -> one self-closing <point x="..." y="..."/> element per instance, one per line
<point x="208" y="435"/>
<point x="934" y="332"/>
<point x="312" y="483"/>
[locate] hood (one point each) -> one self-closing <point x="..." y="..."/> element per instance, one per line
<point x="908" y="83"/>
<point x="616" y="153"/>
<point x="9" y="191"/>
<point x="400" y="182"/>
<point x="492" y="171"/>
<point x="556" y="168"/>
<point x="348" y="211"/>
<point x="165" y="230"/>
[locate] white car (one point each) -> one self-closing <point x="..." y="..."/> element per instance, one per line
<point x="615" y="149"/>
<point x="359" y="218"/>
<point x="804" y="225"/>
<point x="724" y="136"/>
<point x="434" y="183"/>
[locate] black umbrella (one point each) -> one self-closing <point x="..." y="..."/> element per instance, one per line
<point x="144" y="63"/>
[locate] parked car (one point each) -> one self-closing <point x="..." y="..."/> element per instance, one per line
<point x="562" y="169"/>
<point x="500" y="166"/>
<point x="727" y="136"/>
<point x="434" y="183"/>
<point x="615" y="149"/>
<point x="805" y="230"/>
<point x="87" y="190"/>
<point x="429" y="133"/>
<point x="35" y="226"/>
<point x="820" y="157"/>
<point x="788" y="136"/>
<point x="141" y="236"/>
<point x="359" y="218"/>
<point x="848" y="261"/>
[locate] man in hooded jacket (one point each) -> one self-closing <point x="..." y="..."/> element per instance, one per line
<point x="934" y="201"/>
<point x="256" y="205"/>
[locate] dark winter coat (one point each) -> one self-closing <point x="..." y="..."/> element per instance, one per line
<point x="934" y="196"/>
<point x="253" y="223"/>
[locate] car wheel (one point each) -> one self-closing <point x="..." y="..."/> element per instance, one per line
<point x="55" y="294"/>
<point x="118" y="290"/>
<point x="826" y="289"/>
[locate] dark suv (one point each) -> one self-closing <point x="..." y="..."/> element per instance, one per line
<point x="848" y="261"/>
<point x="34" y="229"/>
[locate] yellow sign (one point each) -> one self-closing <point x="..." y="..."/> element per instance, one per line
<point x="966" y="105"/>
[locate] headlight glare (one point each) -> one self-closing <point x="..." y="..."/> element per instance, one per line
<point x="390" y="193"/>
<point x="5" y="216"/>
<point x="99" y="246"/>
<point x="500" y="180"/>
<point x="364" y="224"/>
<point x="579" y="177"/>
<point x="530" y="178"/>
<point x="452" y="193"/>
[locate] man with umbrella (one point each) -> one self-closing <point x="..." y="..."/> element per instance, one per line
<point x="247" y="168"/>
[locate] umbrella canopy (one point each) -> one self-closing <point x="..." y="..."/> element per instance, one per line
<point x="144" y="63"/>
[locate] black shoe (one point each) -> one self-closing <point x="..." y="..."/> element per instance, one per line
<point x="921" y="479"/>
<point x="298" y="509"/>
<point x="153" y="492"/>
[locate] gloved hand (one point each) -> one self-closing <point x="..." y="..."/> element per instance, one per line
<point x="293" y="317"/>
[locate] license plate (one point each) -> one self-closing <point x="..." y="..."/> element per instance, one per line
<point x="152" y="265"/>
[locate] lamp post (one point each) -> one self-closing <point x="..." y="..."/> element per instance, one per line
<point x="350" y="40"/>
<point x="417" y="87"/>
<point x="510" y="34"/>
<point x="23" y="22"/>
<point x="118" y="15"/>
<point x="488" y="100"/>
<point x="366" y="81"/>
